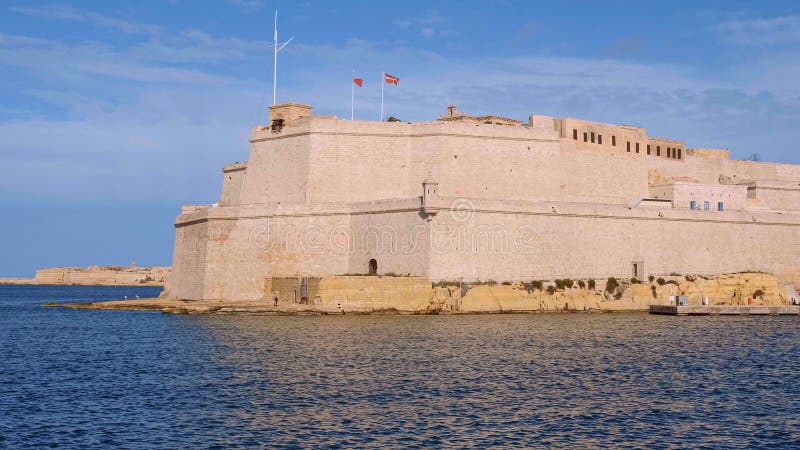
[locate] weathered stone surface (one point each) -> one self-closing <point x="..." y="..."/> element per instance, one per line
<point x="416" y="295"/>
<point x="321" y="197"/>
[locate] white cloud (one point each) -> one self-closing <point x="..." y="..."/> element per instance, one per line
<point x="59" y="12"/>
<point x="249" y="5"/>
<point x="91" y="58"/>
<point x="762" y="31"/>
<point x="424" y="25"/>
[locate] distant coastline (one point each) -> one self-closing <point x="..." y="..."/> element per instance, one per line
<point x="95" y="276"/>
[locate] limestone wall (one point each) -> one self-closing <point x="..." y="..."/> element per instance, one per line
<point x="187" y="279"/>
<point x="733" y="197"/>
<point x="102" y="276"/>
<point x="322" y="197"/>
<point x="231" y="252"/>
<point x="355" y="293"/>
<point x="320" y="160"/>
<point x="233" y="177"/>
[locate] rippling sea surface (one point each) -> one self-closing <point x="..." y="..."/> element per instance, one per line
<point x="89" y="379"/>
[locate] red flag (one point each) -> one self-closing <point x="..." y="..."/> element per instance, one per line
<point x="390" y="79"/>
<point x="358" y="81"/>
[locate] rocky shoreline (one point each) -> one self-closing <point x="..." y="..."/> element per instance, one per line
<point x="612" y="295"/>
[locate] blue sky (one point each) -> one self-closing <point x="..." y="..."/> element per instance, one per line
<point x="114" y="113"/>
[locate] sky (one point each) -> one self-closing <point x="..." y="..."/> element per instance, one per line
<point x="113" y="113"/>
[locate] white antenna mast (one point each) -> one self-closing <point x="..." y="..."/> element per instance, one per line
<point x="276" y="47"/>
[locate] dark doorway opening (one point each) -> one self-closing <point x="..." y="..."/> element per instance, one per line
<point x="373" y="267"/>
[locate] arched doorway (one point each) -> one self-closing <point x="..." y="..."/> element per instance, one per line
<point x="373" y="267"/>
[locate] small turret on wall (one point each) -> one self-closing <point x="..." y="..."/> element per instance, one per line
<point x="430" y="197"/>
<point x="285" y="113"/>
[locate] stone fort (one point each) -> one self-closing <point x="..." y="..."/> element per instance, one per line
<point x="479" y="198"/>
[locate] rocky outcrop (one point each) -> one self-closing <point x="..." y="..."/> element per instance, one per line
<point x="415" y="295"/>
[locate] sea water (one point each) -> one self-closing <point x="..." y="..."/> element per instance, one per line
<point x="129" y="379"/>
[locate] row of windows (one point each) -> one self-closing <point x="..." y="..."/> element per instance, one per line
<point x="707" y="205"/>
<point x="673" y="153"/>
<point x="591" y="136"/>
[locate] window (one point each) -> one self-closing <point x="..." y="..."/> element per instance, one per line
<point x="669" y="152"/>
<point x="629" y="146"/>
<point x="592" y="137"/>
<point x="585" y="137"/>
<point x="637" y="147"/>
<point x="692" y="204"/>
<point x="720" y="206"/>
<point x="706" y="205"/>
<point x="679" y="153"/>
<point x="614" y="141"/>
<point x="658" y="150"/>
<point x="575" y="134"/>
<point x="648" y="149"/>
<point x="600" y="139"/>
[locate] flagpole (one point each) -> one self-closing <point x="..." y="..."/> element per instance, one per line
<point x="275" y="62"/>
<point x="353" y="95"/>
<point x="275" y="49"/>
<point x="382" y="83"/>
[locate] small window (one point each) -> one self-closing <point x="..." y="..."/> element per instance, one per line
<point x="669" y="152"/>
<point x="600" y="139"/>
<point x="276" y="126"/>
<point x="658" y="150"/>
<point x="648" y="149"/>
<point x="614" y="141"/>
<point x="575" y="134"/>
<point x="720" y="206"/>
<point x="679" y="153"/>
<point x="692" y="204"/>
<point x="592" y="137"/>
<point x="706" y="205"/>
<point x="629" y="146"/>
<point x="637" y="147"/>
<point x="585" y="137"/>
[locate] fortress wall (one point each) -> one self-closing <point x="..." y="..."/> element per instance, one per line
<point x="356" y="292"/>
<point x="351" y="168"/>
<point x="101" y="276"/>
<point x="777" y="198"/>
<point x="710" y="153"/>
<point x="568" y="240"/>
<point x="187" y="279"/>
<point x="575" y="128"/>
<point x="708" y="170"/>
<point x="476" y="161"/>
<point x="398" y="241"/>
<point x="242" y="254"/>
<point x="51" y="276"/>
<point x="277" y="170"/>
<point x="752" y="170"/>
<point x="597" y="247"/>
<point x="232" y="184"/>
